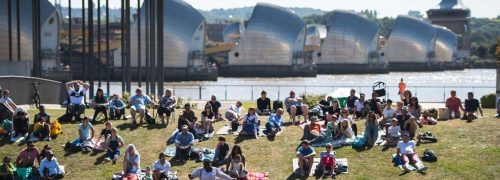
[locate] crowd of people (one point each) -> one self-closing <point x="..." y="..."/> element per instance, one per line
<point x="341" y="122"/>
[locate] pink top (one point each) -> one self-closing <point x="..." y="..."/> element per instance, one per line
<point x="30" y="154"/>
<point x="453" y="104"/>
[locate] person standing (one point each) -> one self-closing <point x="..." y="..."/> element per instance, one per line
<point x="402" y="87"/>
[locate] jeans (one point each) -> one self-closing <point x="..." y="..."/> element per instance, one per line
<point x="183" y="153"/>
<point x="99" y="109"/>
<point x="111" y="154"/>
<point x="272" y="128"/>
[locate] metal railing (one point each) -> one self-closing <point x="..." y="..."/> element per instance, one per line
<point x="427" y="94"/>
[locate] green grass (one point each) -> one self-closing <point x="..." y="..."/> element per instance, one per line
<point x="464" y="150"/>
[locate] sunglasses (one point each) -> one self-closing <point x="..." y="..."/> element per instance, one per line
<point x="328" y="147"/>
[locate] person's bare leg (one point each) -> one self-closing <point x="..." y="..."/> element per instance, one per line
<point x="301" y="164"/>
<point x="305" y="111"/>
<point x="125" y="167"/>
<point x="255" y="133"/>
<point x="310" y="162"/>
<point x="156" y="175"/>
<point x="293" y="112"/>
<point x="132" y="113"/>
<point x="168" y="119"/>
<point x="141" y="115"/>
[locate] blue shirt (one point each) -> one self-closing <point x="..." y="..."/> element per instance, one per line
<point x="306" y="152"/>
<point x="52" y="166"/>
<point x="184" y="139"/>
<point x="140" y="100"/>
<point x="288" y="104"/>
<point x="85" y="131"/>
<point x="275" y="119"/>
<point x="117" y="104"/>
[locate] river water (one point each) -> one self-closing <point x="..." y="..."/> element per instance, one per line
<point x="428" y="86"/>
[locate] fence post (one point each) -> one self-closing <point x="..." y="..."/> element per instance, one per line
<point x="305" y="90"/>
<point x="444" y="94"/>
<point x="252" y="93"/>
<point x="225" y="92"/>
<point x="199" y="92"/>
<point x="173" y="89"/>
<point x="416" y="91"/>
<point x="279" y="89"/>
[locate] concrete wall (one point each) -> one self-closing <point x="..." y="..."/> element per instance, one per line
<point x="51" y="92"/>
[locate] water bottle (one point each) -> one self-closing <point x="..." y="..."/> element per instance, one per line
<point x="452" y="114"/>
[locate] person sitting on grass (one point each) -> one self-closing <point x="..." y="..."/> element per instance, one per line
<point x="43" y="153"/>
<point x="305" y="154"/>
<point x="295" y="106"/>
<point x="100" y="103"/>
<point x="112" y="145"/>
<point x="167" y="105"/>
<point x="21" y="122"/>
<point x="236" y="168"/>
<point x="454" y="104"/>
<point x="207" y="118"/>
<point x="331" y="129"/>
<point x="161" y="167"/>
<point x="426" y="119"/>
<point x="273" y="125"/>
<point x="471" y="107"/>
<point x="393" y="133"/>
<point x="312" y="131"/>
<point x="399" y="108"/>
<point x="28" y="157"/>
<point x="131" y="162"/>
<point x="49" y="167"/>
<point x="406" y="98"/>
<point x="387" y="115"/>
<point x="344" y="115"/>
<point x="116" y="107"/>
<point x="263" y="104"/>
<point x="251" y="124"/>
<point x="220" y="152"/>
<point x="371" y="129"/>
<point x="105" y="133"/>
<point x="414" y="108"/>
<point x="41" y="129"/>
<point x="7" y="169"/>
<point x="410" y="124"/>
<point x="345" y="131"/>
<point x="406" y="152"/>
<point x="76" y="105"/>
<point x="207" y="172"/>
<point x="351" y="99"/>
<point x="233" y="114"/>
<point x="85" y="135"/>
<point x="187" y="118"/>
<point x="184" y="144"/>
<point x="215" y="107"/>
<point x="329" y="111"/>
<point x="328" y="161"/>
<point x="360" y="106"/>
<point x="9" y="105"/>
<point x="138" y="104"/>
<point x="42" y="113"/>
<point x="235" y="151"/>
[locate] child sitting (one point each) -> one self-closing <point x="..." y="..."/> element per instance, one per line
<point x="426" y="119"/>
<point x="237" y="169"/>
<point x="41" y="129"/>
<point x="328" y="161"/>
<point x="393" y="133"/>
<point x="399" y="108"/>
<point x="220" y="152"/>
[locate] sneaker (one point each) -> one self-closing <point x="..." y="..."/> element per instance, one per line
<point x="423" y="169"/>
<point x="405" y="169"/>
<point x="107" y="159"/>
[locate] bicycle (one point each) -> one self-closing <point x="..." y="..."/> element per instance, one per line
<point x="35" y="97"/>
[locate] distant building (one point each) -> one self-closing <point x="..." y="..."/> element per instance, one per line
<point x="456" y="17"/>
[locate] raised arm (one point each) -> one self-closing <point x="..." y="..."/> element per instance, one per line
<point x="70" y="84"/>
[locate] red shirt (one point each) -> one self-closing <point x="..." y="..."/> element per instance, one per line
<point x="30" y="154"/>
<point x="453" y="104"/>
<point x="402" y="87"/>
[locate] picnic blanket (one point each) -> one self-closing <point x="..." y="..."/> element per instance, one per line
<point x="225" y="131"/>
<point x="399" y="164"/>
<point x="337" y="142"/>
<point x="258" y="176"/>
<point x="322" y="123"/>
<point x="340" y="162"/>
<point x="207" y="153"/>
<point x="98" y="145"/>
<point x="17" y="138"/>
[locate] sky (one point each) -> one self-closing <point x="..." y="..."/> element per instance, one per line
<point x="392" y="8"/>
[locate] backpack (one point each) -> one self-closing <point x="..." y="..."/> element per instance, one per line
<point x="277" y="104"/>
<point x="149" y="118"/>
<point x="55" y="128"/>
<point x="359" y="143"/>
<point x="429" y="156"/>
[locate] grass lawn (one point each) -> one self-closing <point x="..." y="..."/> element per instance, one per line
<point x="464" y="150"/>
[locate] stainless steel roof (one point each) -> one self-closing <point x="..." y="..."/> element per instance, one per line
<point x="49" y="27"/>
<point x="446" y="44"/>
<point x="273" y="35"/>
<point x="411" y="40"/>
<point x="233" y="32"/>
<point x="184" y="33"/>
<point x="313" y="35"/>
<point x="350" y="39"/>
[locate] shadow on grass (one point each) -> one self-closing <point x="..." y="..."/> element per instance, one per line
<point x="127" y="126"/>
<point x="295" y="176"/>
<point x="177" y="162"/>
<point x="5" y="141"/>
<point x="155" y="126"/>
<point x="100" y="159"/>
<point x="241" y="138"/>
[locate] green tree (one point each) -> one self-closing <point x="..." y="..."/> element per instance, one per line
<point x="482" y="51"/>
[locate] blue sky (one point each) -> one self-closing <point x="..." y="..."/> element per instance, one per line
<point x="479" y="8"/>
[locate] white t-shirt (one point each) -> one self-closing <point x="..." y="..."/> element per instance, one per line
<point x="233" y="108"/>
<point x="360" y="105"/>
<point x="216" y="173"/>
<point x="76" y="97"/>
<point x="394" y="131"/>
<point x="158" y="166"/>
<point x="389" y="113"/>
<point x="406" y="148"/>
<point x="6" y="100"/>
<point x="137" y="160"/>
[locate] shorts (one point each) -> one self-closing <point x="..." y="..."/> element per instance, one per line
<point x="328" y="161"/>
<point x="297" y="112"/>
<point x="138" y="107"/>
<point x="165" y="110"/>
